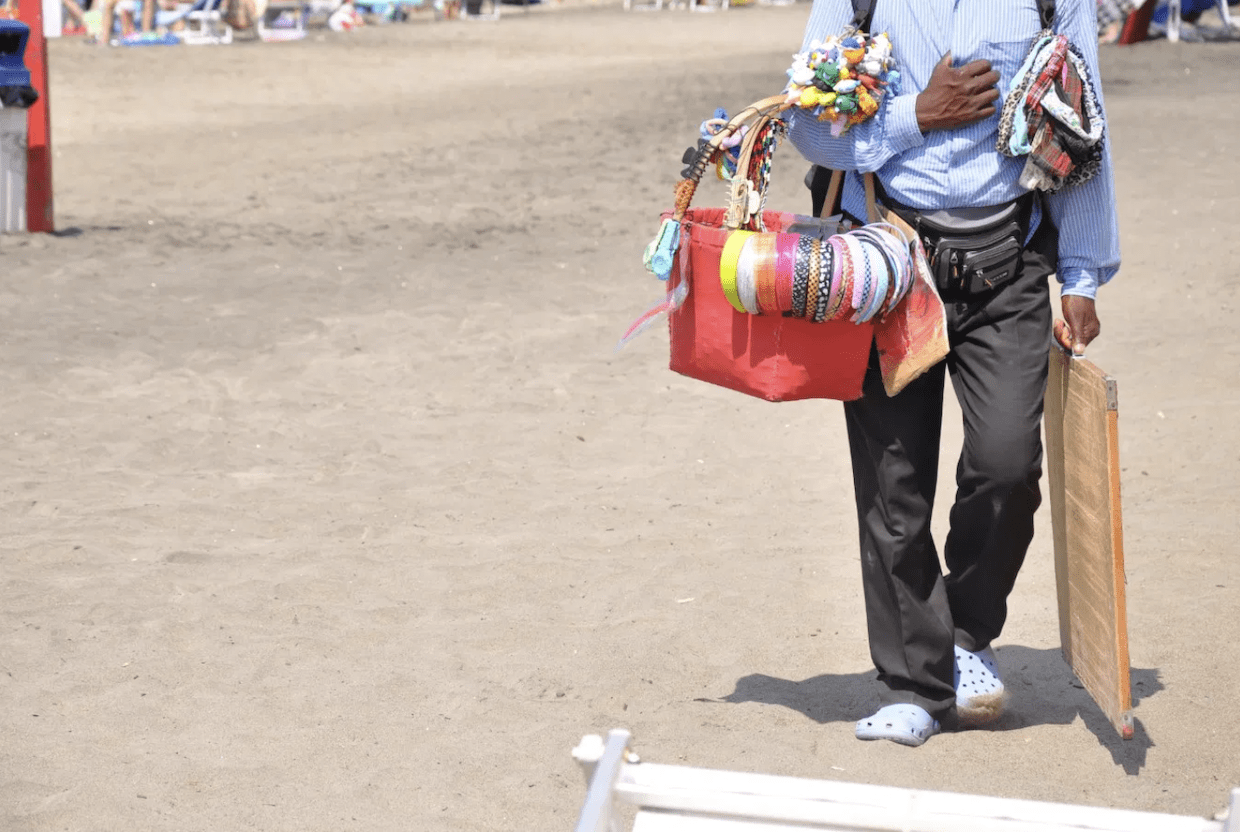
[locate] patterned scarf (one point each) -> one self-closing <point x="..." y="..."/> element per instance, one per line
<point x="1052" y="116"/>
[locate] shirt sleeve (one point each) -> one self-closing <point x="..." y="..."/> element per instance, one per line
<point x="1085" y="214"/>
<point x="866" y="147"/>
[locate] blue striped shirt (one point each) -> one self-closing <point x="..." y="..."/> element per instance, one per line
<point x="960" y="167"/>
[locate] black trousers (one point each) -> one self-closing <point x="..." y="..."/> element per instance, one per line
<point x="1000" y="344"/>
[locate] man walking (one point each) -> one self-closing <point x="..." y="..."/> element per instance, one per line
<point x="993" y="244"/>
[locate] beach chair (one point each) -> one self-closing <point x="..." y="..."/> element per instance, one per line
<point x="683" y="799"/>
<point x="283" y="20"/>
<point x="203" y="23"/>
<point x="489" y="9"/>
<point x="630" y="6"/>
<point x="1174" y="21"/>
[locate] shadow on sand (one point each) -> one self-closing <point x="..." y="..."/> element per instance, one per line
<point x="1043" y="691"/>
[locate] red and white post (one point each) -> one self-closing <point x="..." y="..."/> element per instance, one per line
<point x="39" y="124"/>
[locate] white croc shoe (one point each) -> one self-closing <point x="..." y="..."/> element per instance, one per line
<point x="906" y="724"/>
<point x="980" y="695"/>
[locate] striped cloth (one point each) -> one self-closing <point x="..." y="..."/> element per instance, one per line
<point x="961" y="168"/>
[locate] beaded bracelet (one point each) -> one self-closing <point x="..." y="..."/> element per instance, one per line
<point x="821" y="280"/>
<point x="814" y="283"/>
<point x="824" y="278"/>
<point x="800" y="279"/>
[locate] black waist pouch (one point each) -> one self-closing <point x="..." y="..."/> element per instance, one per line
<point x="973" y="250"/>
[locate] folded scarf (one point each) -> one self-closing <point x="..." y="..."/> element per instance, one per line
<point x="1051" y="115"/>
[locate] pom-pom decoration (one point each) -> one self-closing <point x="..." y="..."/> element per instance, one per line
<point x="843" y="79"/>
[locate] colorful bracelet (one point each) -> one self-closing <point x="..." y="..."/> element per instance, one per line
<point x="765" y="267"/>
<point x="727" y="266"/>
<point x="785" y="269"/>
<point x="814" y="283"/>
<point x="847" y="269"/>
<point x="898" y="266"/>
<point x="822" y="279"/>
<point x="746" y="289"/>
<point x="861" y="276"/>
<point x="826" y="296"/>
<point x="800" y="280"/>
<point x="878" y="278"/>
<point x="837" y="278"/>
<point x="895" y="254"/>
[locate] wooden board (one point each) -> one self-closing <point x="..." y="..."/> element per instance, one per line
<point x="1082" y="448"/>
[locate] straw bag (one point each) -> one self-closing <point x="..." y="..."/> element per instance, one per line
<point x="779" y="357"/>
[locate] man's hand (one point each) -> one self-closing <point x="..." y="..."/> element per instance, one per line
<point x="956" y="96"/>
<point x="1080" y="324"/>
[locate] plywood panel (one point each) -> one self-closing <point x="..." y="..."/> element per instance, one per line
<point x="1082" y="442"/>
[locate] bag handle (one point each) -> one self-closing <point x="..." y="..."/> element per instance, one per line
<point x="760" y="114"/>
<point x="834" y="189"/>
<point x="871" y="200"/>
<point x="745" y="190"/>
<point x="1046" y="10"/>
<point x="762" y="110"/>
<point x="863" y="15"/>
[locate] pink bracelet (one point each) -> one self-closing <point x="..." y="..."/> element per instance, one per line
<point x="785" y="269"/>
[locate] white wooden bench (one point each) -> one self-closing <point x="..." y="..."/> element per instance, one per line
<point x="687" y="799"/>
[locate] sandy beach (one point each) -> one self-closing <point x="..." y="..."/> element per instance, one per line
<point x="326" y="502"/>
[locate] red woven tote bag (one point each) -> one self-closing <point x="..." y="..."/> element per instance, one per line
<point x="771" y="357"/>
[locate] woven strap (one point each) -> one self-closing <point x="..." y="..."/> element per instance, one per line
<point x="755" y="115"/>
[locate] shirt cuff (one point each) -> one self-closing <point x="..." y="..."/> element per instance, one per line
<point x="901" y="124"/>
<point x="1082" y="282"/>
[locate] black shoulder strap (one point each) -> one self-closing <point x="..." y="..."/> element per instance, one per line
<point x="1046" y="8"/>
<point x="863" y="14"/>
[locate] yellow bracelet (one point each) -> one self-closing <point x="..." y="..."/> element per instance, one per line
<point x="727" y="266"/>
